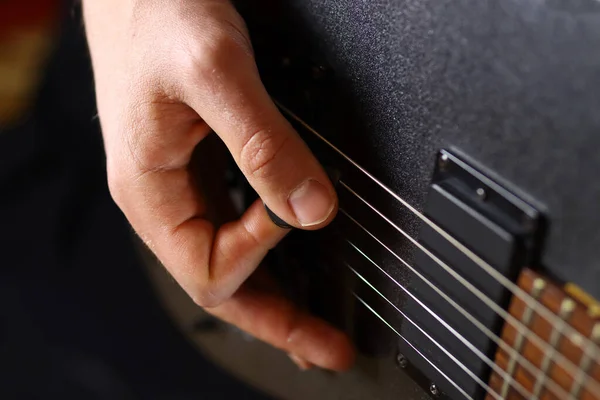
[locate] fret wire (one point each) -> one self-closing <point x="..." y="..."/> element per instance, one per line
<point x="542" y="310"/>
<point x="466" y="342"/>
<point x="566" y="309"/>
<point x="569" y="366"/>
<point x="499" y="341"/>
<point x="484" y="298"/>
<point x="471" y="347"/>
<point x="461" y="390"/>
<point x="585" y="364"/>
<point x="538" y="287"/>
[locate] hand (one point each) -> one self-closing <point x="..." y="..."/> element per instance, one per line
<point x="167" y="74"/>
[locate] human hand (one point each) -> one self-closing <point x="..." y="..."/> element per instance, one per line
<point x="167" y="73"/>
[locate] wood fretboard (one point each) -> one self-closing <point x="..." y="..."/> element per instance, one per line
<point x="541" y="372"/>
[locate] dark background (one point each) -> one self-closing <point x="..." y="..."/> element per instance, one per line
<point x="78" y="318"/>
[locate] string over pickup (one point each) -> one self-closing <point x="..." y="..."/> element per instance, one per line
<point x="480" y="234"/>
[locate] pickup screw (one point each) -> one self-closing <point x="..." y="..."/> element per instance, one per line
<point x="482" y="194"/>
<point x="443" y="161"/>
<point x="434" y="390"/>
<point x="401" y="360"/>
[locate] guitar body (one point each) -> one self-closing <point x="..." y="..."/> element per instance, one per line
<point x="509" y="88"/>
<point x="509" y="83"/>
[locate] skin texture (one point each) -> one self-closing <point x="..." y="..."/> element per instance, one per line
<point x="168" y="73"/>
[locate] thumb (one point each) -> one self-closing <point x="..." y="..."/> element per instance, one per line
<point x="232" y="100"/>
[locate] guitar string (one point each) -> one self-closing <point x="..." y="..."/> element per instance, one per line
<point x="569" y="366"/>
<point x="501" y="343"/>
<point x="472" y="375"/>
<point x="588" y="347"/>
<point x="480" y="355"/>
<point x="461" y="390"/>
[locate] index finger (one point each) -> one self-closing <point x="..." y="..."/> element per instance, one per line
<point x="275" y="320"/>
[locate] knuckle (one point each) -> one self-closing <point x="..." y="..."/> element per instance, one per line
<point x="204" y="296"/>
<point x="220" y="52"/>
<point x="260" y="154"/>
<point x="203" y="60"/>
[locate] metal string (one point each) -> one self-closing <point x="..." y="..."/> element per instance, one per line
<point x="487" y="388"/>
<point x="588" y="347"/>
<point x="461" y="390"/>
<point x="529" y="366"/>
<point x="524" y="330"/>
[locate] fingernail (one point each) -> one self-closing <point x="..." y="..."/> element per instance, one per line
<point x="300" y="362"/>
<point x="311" y="203"/>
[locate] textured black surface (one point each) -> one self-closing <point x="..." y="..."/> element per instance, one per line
<point x="511" y="83"/>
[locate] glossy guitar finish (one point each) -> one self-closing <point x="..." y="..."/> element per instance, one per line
<point x="509" y="85"/>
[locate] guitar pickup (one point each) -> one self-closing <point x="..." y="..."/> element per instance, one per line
<point x="474" y="219"/>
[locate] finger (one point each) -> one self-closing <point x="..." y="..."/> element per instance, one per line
<point x="300" y="362"/>
<point x="229" y="95"/>
<point x="165" y="210"/>
<point x="275" y="320"/>
<point x="150" y="180"/>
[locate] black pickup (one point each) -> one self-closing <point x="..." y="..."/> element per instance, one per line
<point x="497" y="226"/>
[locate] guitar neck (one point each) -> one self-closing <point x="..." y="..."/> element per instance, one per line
<point x="551" y="354"/>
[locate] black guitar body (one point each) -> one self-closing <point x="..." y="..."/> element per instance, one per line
<point x="482" y="115"/>
<point x="508" y="86"/>
<point x="512" y="84"/>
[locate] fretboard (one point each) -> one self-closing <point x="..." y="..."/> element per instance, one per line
<point x="549" y="356"/>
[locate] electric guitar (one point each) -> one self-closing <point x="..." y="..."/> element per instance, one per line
<point x="463" y="137"/>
